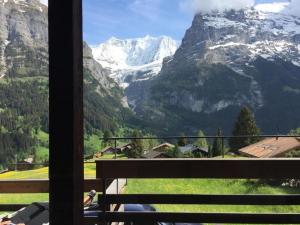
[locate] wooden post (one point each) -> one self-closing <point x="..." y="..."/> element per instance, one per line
<point x="66" y="112"/>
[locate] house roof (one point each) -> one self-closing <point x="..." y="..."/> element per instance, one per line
<point x="163" y="145"/>
<point x="201" y="149"/>
<point x="28" y="160"/>
<point x="271" y="147"/>
<point x="126" y="146"/>
<point x="154" y="154"/>
<point x="191" y="148"/>
<point x="109" y="148"/>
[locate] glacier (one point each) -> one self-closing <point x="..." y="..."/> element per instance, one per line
<point x="130" y="60"/>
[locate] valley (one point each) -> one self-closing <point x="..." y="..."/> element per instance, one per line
<point x="158" y="85"/>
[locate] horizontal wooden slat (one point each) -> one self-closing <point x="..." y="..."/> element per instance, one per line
<point x="237" y="218"/>
<point x="92" y="184"/>
<point x="199" y="168"/>
<point x="11" y="207"/>
<point x="24" y="186"/>
<point x="201" y="199"/>
<point x="40" y="186"/>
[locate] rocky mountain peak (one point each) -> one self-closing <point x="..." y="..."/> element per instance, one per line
<point x="129" y="60"/>
<point x="227" y="60"/>
<point x="239" y="37"/>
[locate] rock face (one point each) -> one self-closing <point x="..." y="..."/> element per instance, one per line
<point x="24" y="56"/>
<point x="23" y="38"/>
<point x="227" y="60"/>
<point x="131" y="60"/>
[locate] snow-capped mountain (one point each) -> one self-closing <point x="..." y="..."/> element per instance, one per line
<point x="228" y="60"/>
<point x="267" y="30"/>
<point x="134" y="59"/>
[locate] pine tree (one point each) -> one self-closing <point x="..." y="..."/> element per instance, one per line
<point x="106" y="138"/>
<point x="245" y="125"/>
<point x="217" y="144"/>
<point x="210" y="153"/>
<point x="137" y="145"/>
<point x="201" y="142"/>
<point x="182" y="140"/>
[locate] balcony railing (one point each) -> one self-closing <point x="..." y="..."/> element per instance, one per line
<point x="118" y="170"/>
<point x="198" y="168"/>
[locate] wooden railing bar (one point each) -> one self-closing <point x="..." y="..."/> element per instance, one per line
<point x="200" y="199"/>
<point x="11" y="207"/>
<point x="237" y="218"/>
<point x="199" y="168"/>
<point x="40" y="186"/>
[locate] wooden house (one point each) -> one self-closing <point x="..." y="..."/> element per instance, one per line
<point x="271" y="147"/>
<point x="155" y="155"/>
<point x="26" y="164"/>
<point x="163" y="147"/>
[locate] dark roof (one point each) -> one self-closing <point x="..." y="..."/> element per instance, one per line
<point x="201" y="149"/>
<point x="109" y="148"/>
<point x="192" y="148"/>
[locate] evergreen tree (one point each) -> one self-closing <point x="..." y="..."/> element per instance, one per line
<point x="201" y="142"/>
<point x="106" y="138"/>
<point x="245" y="125"/>
<point x="182" y="140"/>
<point x="210" y="153"/>
<point x="217" y="145"/>
<point x="137" y="145"/>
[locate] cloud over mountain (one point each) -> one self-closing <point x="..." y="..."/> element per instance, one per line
<point x="196" y="6"/>
<point x="294" y="8"/>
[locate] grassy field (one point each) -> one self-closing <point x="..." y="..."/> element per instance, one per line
<point x="211" y="186"/>
<point x="181" y="186"/>
<point x="89" y="172"/>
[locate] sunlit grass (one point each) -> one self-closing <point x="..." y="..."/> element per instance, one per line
<point x="211" y="186"/>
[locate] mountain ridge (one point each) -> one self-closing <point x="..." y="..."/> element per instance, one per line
<point x="218" y="69"/>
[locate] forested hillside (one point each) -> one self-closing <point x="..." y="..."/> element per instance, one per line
<point x="24" y="91"/>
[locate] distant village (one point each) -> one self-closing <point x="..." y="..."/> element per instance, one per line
<point x="267" y="148"/>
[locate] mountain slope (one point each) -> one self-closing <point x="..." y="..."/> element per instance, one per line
<point x="227" y="60"/>
<point x="24" y="82"/>
<point x="130" y="60"/>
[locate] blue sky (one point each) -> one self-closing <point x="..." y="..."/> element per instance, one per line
<point x="135" y="18"/>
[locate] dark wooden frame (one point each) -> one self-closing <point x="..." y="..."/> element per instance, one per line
<point x="66" y="112"/>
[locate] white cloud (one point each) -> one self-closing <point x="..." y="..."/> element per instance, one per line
<point x="206" y="6"/>
<point x="45" y="2"/>
<point x="275" y="7"/>
<point x="293" y="8"/>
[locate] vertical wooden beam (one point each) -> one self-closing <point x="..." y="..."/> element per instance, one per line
<point x="66" y="112"/>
